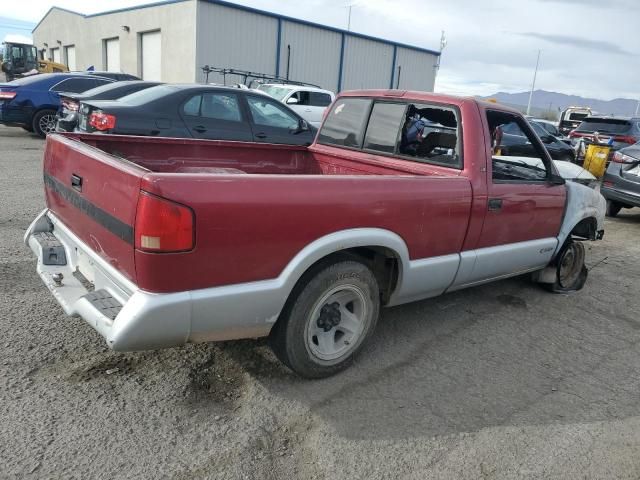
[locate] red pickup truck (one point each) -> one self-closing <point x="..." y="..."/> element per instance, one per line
<point x="156" y="242"/>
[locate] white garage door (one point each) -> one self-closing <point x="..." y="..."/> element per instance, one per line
<point x="151" y="56"/>
<point x="55" y="55"/>
<point x="70" y="53"/>
<point x="112" y="55"/>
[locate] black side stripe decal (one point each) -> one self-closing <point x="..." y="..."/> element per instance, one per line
<point x="108" y="221"/>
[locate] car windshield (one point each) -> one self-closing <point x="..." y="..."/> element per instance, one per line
<point x="276" y="92"/>
<point x="148" y="95"/>
<point x="604" y="125"/>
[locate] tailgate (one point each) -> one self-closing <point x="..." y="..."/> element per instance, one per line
<point x="95" y="195"/>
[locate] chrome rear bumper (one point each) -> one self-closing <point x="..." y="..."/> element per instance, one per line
<point x="85" y="285"/>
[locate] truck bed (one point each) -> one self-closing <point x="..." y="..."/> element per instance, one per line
<point x="255" y="205"/>
<point x="174" y="155"/>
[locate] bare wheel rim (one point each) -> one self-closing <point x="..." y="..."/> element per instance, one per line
<point x="570" y="265"/>
<point x="337" y="323"/>
<point x="47" y="123"/>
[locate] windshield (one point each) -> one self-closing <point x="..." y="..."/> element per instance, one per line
<point x="276" y="92"/>
<point x="604" y="125"/>
<point x="148" y="95"/>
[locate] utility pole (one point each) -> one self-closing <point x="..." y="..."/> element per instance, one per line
<point x="533" y="85"/>
<point x="637" y="108"/>
<point x="436" y="67"/>
<point x="349" y="18"/>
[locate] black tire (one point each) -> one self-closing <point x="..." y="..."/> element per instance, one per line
<point x="571" y="272"/>
<point x="44" y="122"/>
<point x="305" y="326"/>
<point x="613" y="208"/>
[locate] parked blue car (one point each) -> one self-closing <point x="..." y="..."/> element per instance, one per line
<point x="32" y="102"/>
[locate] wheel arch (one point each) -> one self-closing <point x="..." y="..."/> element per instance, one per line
<point x="383" y="251"/>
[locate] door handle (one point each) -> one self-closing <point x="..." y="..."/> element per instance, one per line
<point x="200" y="129"/>
<point x="261" y="135"/>
<point x="495" y="204"/>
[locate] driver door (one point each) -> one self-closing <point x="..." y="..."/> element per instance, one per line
<point x="524" y="208"/>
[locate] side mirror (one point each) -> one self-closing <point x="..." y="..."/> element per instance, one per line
<point x="303" y="126"/>
<point x="292" y="101"/>
<point x="556" y="179"/>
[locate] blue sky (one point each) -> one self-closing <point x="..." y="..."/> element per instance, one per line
<point x="589" y="47"/>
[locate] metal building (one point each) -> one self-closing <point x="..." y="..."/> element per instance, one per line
<point x="172" y="40"/>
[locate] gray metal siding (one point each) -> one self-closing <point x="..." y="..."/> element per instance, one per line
<point x="232" y="38"/>
<point x="315" y="54"/>
<point x="367" y="64"/>
<point x="417" y="72"/>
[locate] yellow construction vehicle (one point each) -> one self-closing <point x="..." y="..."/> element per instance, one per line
<point x="21" y="59"/>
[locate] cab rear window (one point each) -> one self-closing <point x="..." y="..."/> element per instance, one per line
<point x="345" y="123"/>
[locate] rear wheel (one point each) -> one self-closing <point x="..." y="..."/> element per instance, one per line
<point x="44" y="122"/>
<point x="571" y="272"/>
<point x="328" y="320"/>
<point x="613" y="208"/>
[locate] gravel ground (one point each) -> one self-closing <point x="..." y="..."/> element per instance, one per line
<point x="500" y="381"/>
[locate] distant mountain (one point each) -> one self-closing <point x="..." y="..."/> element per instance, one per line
<point x="544" y="102"/>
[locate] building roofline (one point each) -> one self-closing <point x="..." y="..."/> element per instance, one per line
<point x="319" y="25"/>
<point x="225" y="3"/>
<point x="50" y="10"/>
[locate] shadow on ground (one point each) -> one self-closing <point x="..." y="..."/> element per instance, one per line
<point x="507" y="353"/>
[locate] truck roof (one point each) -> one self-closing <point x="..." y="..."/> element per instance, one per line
<point x="426" y="97"/>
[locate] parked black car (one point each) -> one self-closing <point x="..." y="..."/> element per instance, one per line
<point x="516" y="144"/>
<point x="67" y="117"/>
<point x="622" y="131"/>
<point x="197" y="111"/>
<point x="621" y="181"/>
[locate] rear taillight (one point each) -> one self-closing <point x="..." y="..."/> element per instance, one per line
<point x="625" y="139"/>
<point x="70" y="105"/>
<point x="619" y="157"/>
<point x="7" y="95"/>
<point x="163" y="226"/>
<point x="102" y="121"/>
<point x="574" y="134"/>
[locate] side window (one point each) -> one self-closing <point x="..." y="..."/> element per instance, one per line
<point x="431" y="134"/>
<point x="221" y="107"/>
<point x="319" y="99"/>
<point x="192" y="107"/>
<point x="384" y="126"/>
<point x="75" y="85"/>
<point x="516" y="155"/>
<point x="303" y="97"/>
<point x="270" y="114"/>
<point x="345" y="123"/>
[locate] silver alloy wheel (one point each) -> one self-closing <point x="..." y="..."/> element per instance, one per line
<point x="47" y="123"/>
<point x="337" y="322"/>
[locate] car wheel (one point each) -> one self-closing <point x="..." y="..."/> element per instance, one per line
<point x="327" y="319"/>
<point x="571" y="272"/>
<point x="613" y="208"/>
<point x="44" y="122"/>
